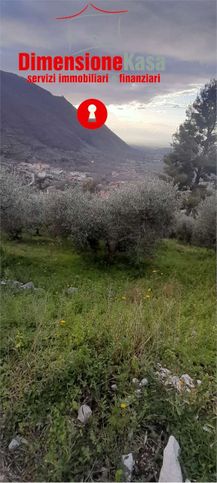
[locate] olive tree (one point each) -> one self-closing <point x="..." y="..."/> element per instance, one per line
<point x="204" y="232"/>
<point x="14" y="199"/>
<point x="184" y="226"/>
<point x="35" y="212"/>
<point x="137" y="216"/>
<point x="130" y="220"/>
<point x="192" y="159"/>
<point x="57" y="213"/>
<point x="75" y="214"/>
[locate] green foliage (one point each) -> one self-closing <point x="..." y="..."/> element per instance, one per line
<point x="204" y="233"/>
<point x="184" y="226"/>
<point x="199" y="229"/>
<point x="137" y="216"/>
<point x="13" y="195"/>
<point x="61" y="350"/>
<point x="192" y="198"/>
<point x="22" y="209"/>
<point x="129" y="222"/>
<point x="192" y="158"/>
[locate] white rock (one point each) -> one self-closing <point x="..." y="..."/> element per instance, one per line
<point x="163" y="372"/>
<point x="16" y="442"/>
<point x="135" y="380"/>
<point x="143" y="382"/>
<point x="28" y="286"/>
<point x="171" y="469"/>
<point x="12" y="283"/>
<point x="175" y="382"/>
<point x="114" y="387"/>
<point x="84" y="413"/>
<point x="138" y="392"/>
<point x="17" y="284"/>
<point x="188" y="381"/>
<point x="128" y="465"/>
<point x="185" y="382"/>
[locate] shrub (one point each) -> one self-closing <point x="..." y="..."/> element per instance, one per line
<point x="204" y="233"/>
<point x="130" y="220"/>
<point x="75" y="214"/>
<point x="21" y="207"/>
<point x="137" y="216"/>
<point x="57" y="211"/>
<point x="35" y="212"/>
<point x="192" y="198"/>
<point x="14" y="198"/>
<point x="183" y="229"/>
<point x="88" y="224"/>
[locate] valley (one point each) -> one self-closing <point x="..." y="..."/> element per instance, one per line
<point x="41" y="129"/>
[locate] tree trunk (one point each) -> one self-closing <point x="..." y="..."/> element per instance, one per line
<point x="197" y="179"/>
<point x="111" y="249"/>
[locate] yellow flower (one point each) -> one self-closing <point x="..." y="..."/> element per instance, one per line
<point x="62" y="322"/>
<point x="123" y="405"/>
<point x="154" y="271"/>
<point x="18" y="340"/>
<point x="147" y="296"/>
<point x="123" y="298"/>
<point x="149" y="289"/>
<point x="18" y="344"/>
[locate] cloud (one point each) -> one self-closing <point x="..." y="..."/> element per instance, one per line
<point x="184" y="32"/>
<point x="153" y="122"/>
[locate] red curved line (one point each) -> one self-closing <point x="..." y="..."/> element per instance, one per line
<point x="107" y="11"/>
<point x="75" y="15"/>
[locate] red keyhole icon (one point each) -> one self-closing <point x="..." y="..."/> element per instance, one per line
<point x="92" y="113"/>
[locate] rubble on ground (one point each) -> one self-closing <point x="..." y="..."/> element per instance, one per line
<point x="128" y="466"/>
<point x="182" y="383"/>
<point x="171" y="469"/>
<point x="84" y="413"/>
<point x="16" y="443"/>
<point x="14" y="284"/>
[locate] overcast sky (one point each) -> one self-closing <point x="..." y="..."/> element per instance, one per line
<point x="183" y="31"/>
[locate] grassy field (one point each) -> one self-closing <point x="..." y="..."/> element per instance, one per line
<point x="61" y="350"/>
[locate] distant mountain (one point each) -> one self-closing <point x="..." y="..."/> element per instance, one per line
<point x="37" y="126"/>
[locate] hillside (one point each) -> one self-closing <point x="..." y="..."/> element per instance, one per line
<point x="40" y="127"/>
<point x="62" y="348"/>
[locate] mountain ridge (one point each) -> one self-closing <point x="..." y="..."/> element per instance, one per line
<point x="37" y="125"/>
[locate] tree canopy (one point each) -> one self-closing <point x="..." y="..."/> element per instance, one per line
<point x="192" y="158"/>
